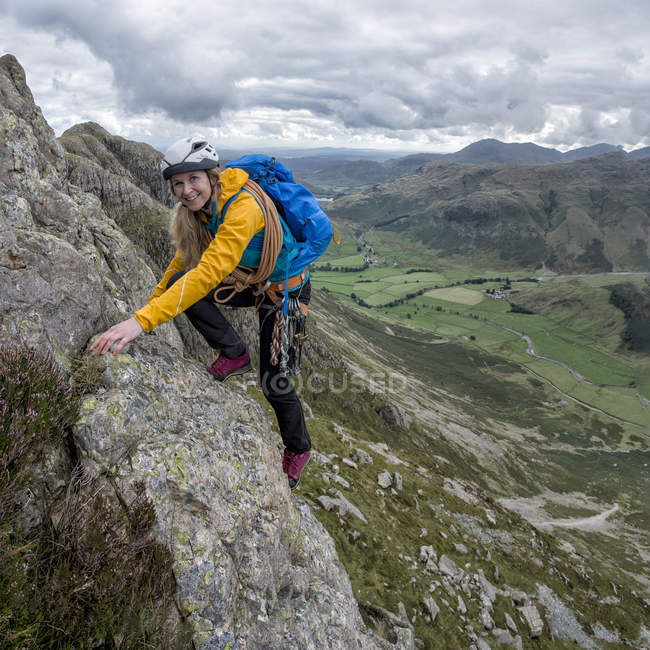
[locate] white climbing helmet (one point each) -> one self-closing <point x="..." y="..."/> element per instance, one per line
<point x="189" y="154"/>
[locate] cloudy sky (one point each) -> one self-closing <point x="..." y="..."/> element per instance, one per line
<point x="420" y="75"/>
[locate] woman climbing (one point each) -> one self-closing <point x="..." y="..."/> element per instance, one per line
<point x="194" y="279"/>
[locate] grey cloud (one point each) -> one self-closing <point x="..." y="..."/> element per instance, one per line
<point x="630" y="54"/>
<point x="526" y="52"/>
<point x="373" y="65"/>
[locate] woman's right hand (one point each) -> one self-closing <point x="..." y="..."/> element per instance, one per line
<point x="122" y="333"/>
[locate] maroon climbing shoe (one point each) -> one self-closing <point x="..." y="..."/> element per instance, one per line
<point x="293" y="462"/>
<point x="223" y="368"/>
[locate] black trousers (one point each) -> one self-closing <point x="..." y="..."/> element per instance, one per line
<point x="219" y="334"/>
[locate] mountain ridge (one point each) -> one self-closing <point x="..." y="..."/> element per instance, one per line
<point x="327" y="174"/>
<point x="583" y="216"/>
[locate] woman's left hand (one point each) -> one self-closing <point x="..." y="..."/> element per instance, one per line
<point x="121" y="333"/>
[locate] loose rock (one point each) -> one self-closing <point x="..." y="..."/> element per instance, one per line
<point x="448" y="567"/>
<point x="486" y="619"/>
<point x="363" y="457"/>
<point x="384" y="479"/>
<point x="342" y="504"/>
<point x="432" y="608"/>
<point x="532" y="618"/>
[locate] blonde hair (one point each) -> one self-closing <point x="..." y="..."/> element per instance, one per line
<point x="188" y="232"/>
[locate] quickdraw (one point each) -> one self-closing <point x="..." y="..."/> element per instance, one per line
<point x="289" y="333"/>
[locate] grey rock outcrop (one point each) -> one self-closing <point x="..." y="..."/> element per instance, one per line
<point x="137" y="161"/>
<point x="400" y="625"/>
<point x="125" y="177"/>
<point x="561" y="620"/>
<point x="94" y="166"/>
<point x="432" y="608"/>
<point x="254" y="568"/>
<point x="503" y="637"/>
<point x="395" y="415"/>
<point x="249" y="561"/>
<point x="362" y="456"/>
<point x="66" y="270"/>
<point x="384" y="479"/>
<point x="510" y="623"/>
<point x="533" y="619"/>
<point x="448" y="567"/>
<point x="338" y="501"/>
<point x="429" y="558"/>
<point x="486" y="619"/>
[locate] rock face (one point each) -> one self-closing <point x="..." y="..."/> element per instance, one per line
<point x="253" y="566"/>
<point x="66" y="270"/>
<point x="136" y="161"/>
<point x="124" y="176"/>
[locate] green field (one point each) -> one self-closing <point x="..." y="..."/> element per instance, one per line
<point x="588" y="434"/>
<point x="457" y="294"/>
<point x="572" y="324"/>
<point x="354" y="260"/>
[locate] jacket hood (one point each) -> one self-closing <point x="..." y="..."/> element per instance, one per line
<point x="232" y="180"/>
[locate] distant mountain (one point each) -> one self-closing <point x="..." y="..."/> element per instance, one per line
<point x="330" y="174"/>
<point x="585" y="216"/>
<point x="638" y="154"/>
<point x="523" y="153"/>
<point x="323" y="153"/>
<point x="589" y="152"/>
<point x="409" y="163"/>
<point x="510" y="153"/>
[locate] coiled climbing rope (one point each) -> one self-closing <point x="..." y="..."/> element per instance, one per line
<point x="242" y="278"/>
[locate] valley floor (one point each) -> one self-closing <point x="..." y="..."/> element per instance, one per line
<point x="551" y="403"/>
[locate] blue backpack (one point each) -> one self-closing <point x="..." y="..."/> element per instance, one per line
<point x="298" y="208"/>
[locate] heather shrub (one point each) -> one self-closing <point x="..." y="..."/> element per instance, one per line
<point x="94" y="575"/>
<point x="36" y="407"/>
<point x="104" y="580"/>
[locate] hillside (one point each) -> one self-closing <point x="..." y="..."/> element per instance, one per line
<point x="586" y="216"/>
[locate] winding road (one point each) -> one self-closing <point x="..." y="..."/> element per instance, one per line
<point x="533" y="353"/>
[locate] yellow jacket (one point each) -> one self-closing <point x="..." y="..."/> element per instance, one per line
<point x="243" y="220"/>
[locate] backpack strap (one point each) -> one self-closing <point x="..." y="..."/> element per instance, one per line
<point x="240" y="279"/>
<point x="218" y="217"/>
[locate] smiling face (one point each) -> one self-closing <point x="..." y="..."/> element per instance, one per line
<point x="192" y="189"/>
